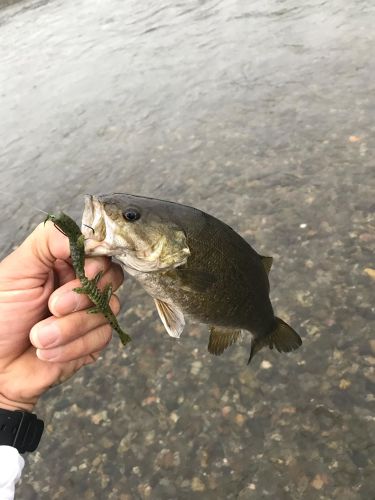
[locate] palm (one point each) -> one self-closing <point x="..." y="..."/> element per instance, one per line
<point x="16" y="350"/>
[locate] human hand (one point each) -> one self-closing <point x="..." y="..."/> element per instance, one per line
<point x="46" y="334"/>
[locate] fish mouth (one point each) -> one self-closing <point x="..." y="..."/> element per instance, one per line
<point x="106" y="234"/>
<point x="97" y="229"/>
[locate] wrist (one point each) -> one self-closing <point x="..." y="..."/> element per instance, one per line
<point x="7" y="404"/>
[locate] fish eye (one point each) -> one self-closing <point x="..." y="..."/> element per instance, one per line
<point x="131" y="214"/>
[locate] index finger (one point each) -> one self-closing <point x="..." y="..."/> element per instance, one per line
<point x="35" y="257"/>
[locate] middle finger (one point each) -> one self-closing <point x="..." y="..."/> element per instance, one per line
<point x="65" y="301"/>
<point x="55" y="332"/>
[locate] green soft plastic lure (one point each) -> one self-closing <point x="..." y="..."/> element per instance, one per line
<point x="100" y="298"/>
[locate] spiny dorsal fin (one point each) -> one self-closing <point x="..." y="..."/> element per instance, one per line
<point x="267" y="263"/>
<point x="172" y="318"/>
<point x="221" y="339"/>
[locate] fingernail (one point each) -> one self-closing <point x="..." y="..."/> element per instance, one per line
<point x="45" y="336"/>
<point x="92" y="268"/>
<point x="47" y="354"/>
<point x="66" y="303"/>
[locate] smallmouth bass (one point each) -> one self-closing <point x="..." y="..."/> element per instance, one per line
<point x="193" y="265"/>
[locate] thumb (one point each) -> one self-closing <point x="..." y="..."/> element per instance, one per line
<point x="36" y="255"/>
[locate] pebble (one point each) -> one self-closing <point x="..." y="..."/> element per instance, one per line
<point x="196" y="367"/>
<point x="174" y="417"/>
<point x="265" y="365"/>
<point x="197" y="484"/>
<point x="370" y="272"/>
<point x="145" y="490"/>
<point x="97" y="460"/>
<point x="240" y="419"/>
<point x="203" y="458"/>
<point x="354" y="138"/>
<point x="289" y="409"/>
<point x="150" y="437"/>
<point x="344" y="383"/>
<point x="166" y="459"/>
<point x="226" y="410"/>
<point x="319" y="481"/>
<point x="97" y="418"/>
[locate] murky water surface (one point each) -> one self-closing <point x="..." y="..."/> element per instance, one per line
<point x="261" y="113"/>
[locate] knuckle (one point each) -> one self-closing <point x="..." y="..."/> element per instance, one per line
<point x="103" y="337"/>
<point x="118" y="273"/>
<point x="94" y="265"/>
<point x="74" y="350"/>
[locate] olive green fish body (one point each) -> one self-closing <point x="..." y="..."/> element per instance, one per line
<point x="223" y="283"/>
<point x="193" y="265"/>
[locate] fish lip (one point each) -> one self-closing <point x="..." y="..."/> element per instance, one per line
<point x="94" y="217"/>
<point x="91" y="216"/>
<point x="88" y="214"/>
<point x="94" y="243"/>
<point x="95" y="247"/>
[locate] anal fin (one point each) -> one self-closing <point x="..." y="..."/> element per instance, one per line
<point x="221" y="339"/>
<point x="172" y="318"/>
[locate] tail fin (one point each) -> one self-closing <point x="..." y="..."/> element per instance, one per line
<point x="283" y="338"/>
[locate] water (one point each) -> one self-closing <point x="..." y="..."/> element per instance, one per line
<point x="262" y="114"/>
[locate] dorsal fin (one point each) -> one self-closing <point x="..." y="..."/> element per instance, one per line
<point x="267" y="263"/>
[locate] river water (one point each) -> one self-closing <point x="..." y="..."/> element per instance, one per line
<point x="261" y="113"/>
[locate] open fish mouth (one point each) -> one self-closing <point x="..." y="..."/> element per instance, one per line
<point x="97" y="229"/>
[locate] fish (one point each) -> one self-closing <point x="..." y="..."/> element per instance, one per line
<point x="193" y="265"/>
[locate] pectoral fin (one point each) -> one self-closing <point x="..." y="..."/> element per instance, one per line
<point x="221" y="339"/>
<point x="172" y="318"/>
